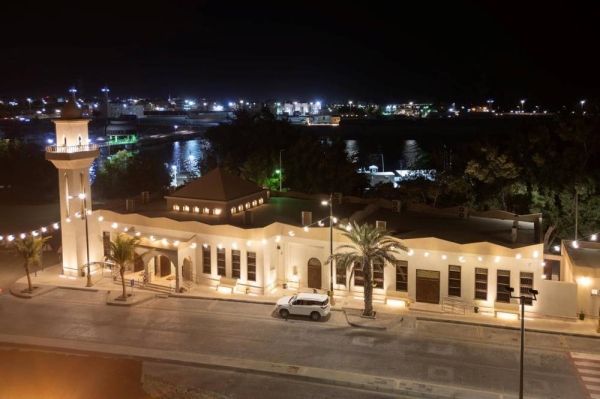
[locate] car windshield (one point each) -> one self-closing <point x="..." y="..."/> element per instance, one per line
<point x="292" y="299"/>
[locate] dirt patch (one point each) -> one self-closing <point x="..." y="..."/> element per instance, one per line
<point x="159" y="388"/>
<point x="33" y="374"/>
<point x="29" y="374"/>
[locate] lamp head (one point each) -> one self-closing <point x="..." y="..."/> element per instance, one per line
<point x="534" y="292"/>
<point x="509" y="289"/>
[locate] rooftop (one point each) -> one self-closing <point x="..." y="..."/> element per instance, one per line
<point x="404" y="225"/>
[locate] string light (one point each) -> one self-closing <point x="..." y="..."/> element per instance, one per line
<point x="34" y="233"/>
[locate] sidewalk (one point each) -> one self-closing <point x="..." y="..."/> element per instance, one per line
<point x="388" y="316"/>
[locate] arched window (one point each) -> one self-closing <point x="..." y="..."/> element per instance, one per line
<point x="254" y="203"/>
<point x="260" y="201"/>
<point x="247" y="205"/>
<point x="175" y="207"/>
<point x="232" y="210"/>
<point x="186" y="208"/>
<point x="196" y="209"/>
<point x="206" y="211"/>
<point x="240" y="208"/>
<point x="67" y="203"/>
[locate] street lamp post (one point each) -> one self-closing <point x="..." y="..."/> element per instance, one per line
<point x="522" y="298"/>
<point x="84" y="216"/>
<point x="576" y="208"/>
<point x="330" y="203"/>
<point x="522" y="106"/>
<point x="582" y="102"/>
<point x="280" y="170"/>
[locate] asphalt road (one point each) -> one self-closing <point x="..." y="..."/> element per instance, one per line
<point x="471" y="357"/>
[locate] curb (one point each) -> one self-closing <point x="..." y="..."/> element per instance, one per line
<point x="43" y="289"/>
<point x="536" y="330"/>
<point x="208" y="298"/>
<point x="112" y="302"/>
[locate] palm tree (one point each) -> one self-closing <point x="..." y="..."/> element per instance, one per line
<point x="369" y="246"/>
<point x="29" y="249"/>
<point x="122" y="253"/>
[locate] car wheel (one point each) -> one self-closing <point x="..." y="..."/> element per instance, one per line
<point x="284" y="313"/>
<point x="315" y="316"/>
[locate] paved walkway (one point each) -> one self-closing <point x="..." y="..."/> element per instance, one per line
<point x="387" y="317"/>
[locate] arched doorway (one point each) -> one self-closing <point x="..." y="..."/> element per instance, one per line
<point x="162" y="268"/>
<point x="138" y="264"/>
<point x="314" y="273"/>
<point x="187" y="270"/>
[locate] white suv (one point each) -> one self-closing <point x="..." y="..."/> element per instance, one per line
<point x="304" y="304"/>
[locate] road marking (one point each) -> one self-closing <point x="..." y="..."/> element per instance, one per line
<point x="588" y="364"/>
<point x="563" y="341"/>
<point x="587" y="367"/>
<point x="588" y="356"/>
<point x="589" y="371"/>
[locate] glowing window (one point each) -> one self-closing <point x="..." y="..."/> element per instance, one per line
<point x="247" y="205"/>
<point x="240" y="208"/>
<point x="206" y="210"/>
<point x="196" y="209"/>
<point x="175" y="207"/>
<point x="217" y="211"/>
<point x="254" y="203"/>
<point x="260" y="201"/>
<point x="233" y="210"/>
<point x="186" y="208"/>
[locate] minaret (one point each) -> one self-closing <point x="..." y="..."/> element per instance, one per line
<point x="72" y="156"/>
<point x="105" y="90"/>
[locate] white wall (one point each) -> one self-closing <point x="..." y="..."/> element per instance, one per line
<point x="557" y="298"/>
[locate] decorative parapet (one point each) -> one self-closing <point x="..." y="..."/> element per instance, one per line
<point x="60" y="149"/>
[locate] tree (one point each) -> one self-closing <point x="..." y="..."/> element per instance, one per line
<point x="29" y="249"/>
<point x="126" y="174"/>
<point x="370" y="246"/>
<point x="122" y="254"/>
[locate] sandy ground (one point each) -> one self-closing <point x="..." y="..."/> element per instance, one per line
<point x="34" y="374"/>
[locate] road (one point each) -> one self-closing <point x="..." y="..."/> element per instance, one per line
<point x="443" y="354"/>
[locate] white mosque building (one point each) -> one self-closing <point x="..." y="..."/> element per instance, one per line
<point x="229" y="234"/>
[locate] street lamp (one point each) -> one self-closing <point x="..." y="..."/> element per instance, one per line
<point x="522" y="106"/>
<point x="280" y="170"/>
<point x="350" y="102"/>
<point x="330" y="203"/>
<point x="576" y="208"/>
<point x="532" y="295"/>
<point x="29" y="101"/>
<point x="84" y="215"/>
<point x="582" y="102"/>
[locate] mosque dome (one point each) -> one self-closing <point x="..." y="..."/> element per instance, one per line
<point x="70" y="111"/>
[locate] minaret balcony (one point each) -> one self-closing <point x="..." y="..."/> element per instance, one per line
<point x="72" y="152"/>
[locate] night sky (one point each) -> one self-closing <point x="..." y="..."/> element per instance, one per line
<point x="305" y="51"/>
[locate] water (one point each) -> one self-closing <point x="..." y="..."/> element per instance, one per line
<point x="181" y="157"/>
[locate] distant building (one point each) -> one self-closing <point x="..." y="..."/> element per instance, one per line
<point x="119" y="108"/>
